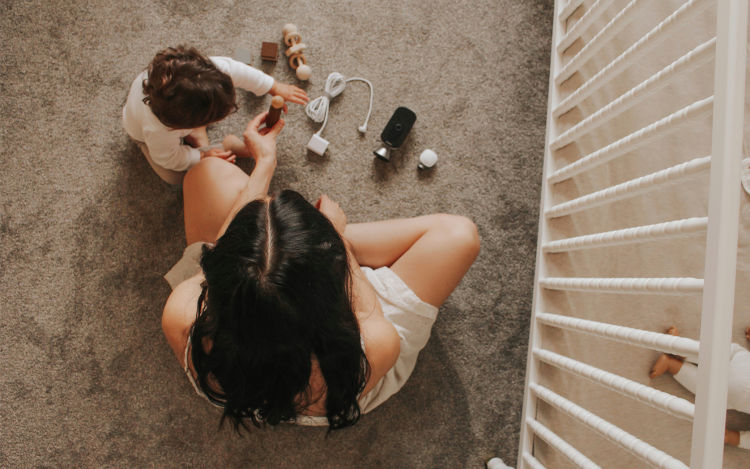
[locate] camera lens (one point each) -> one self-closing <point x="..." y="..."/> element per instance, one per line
<point x="398" y="127"/>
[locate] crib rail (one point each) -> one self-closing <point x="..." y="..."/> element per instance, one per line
<point x="634" y="141"/>
<point x="662" y="342"/>
<point x="561" y="445"/>
<point x="647" y="43"/>
<point x="695" y="226"/>
<point x="616" y="435"/>
<point x="576" y="21"/>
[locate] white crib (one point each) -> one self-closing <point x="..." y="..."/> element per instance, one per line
<point x="638" y="231"/>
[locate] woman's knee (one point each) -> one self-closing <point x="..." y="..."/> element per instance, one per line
<point x="213" y="172"/>
<point x="460" y="233"/>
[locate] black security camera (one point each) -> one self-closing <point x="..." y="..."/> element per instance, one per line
<point x="395" y="132"/>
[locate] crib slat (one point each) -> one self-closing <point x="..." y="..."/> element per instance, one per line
<point x="659" y="33"/>
<point x="659" y="285"/>
<point x="593" y="14"/>
<point x="561" y="445"/>
<point x="635" y="140"/>
<point x="568" y="9"/>
<point x="531" y="462"/>
<point x="652" y="340"/>
<point x="663" y="401"/>
<point x="637" y="186"/>
<point x="667" y="230"/>
<point x="615" y="434"/>
<point x="679" y="68"/>
<point x="617" y="24"/>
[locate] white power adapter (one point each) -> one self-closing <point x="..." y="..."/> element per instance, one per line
<point x="317" y="144"/>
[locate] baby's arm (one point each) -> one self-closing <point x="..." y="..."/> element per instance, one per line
<point x="253" y="80"/>
<point x="166" y="150"/>
<point x="244" y="76"/>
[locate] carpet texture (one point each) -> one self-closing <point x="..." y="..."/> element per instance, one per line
<point x="87" y="229"/>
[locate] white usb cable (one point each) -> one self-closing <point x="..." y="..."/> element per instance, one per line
<point x="317" y="109"/>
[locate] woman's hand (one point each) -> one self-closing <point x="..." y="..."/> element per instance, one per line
<point x="289" y="93"/>
<point x="261" y="143"/>
<point x="333" y="212"/>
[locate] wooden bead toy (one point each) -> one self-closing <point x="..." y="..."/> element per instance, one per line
<point x="295" y="51"/>
<point x="274" y="111"/>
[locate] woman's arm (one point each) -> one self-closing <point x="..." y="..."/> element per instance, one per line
<point x="261" y="143"/>
<point x="214" y="190"/>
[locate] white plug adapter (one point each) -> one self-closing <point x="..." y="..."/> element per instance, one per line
<point x="317" y="144"/>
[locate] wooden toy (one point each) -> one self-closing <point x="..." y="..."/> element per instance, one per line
<point x="295" y="51"/>
<point x="269" y="51"/>
<point x="274" y="111"/>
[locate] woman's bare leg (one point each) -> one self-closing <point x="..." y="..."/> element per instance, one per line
<point x="430" y="254"/>
<point x="209" y="190"/>
<point x="236" y="145"/>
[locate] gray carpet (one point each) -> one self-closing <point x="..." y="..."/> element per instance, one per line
<point x="88" y="229"/>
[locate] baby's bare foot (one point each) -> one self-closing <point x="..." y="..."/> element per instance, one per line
<point x="665" y="362"/>
<point x="660" y="366"/>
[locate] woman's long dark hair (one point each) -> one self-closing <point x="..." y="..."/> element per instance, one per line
<point x="277" y="296"/>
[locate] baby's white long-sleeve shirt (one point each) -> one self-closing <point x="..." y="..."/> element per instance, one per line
<point x="165" y="144"/>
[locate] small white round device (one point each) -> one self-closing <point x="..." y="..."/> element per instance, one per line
<point x="427" y="159"/>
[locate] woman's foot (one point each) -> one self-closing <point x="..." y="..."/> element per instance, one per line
<point x="667" y="361"/>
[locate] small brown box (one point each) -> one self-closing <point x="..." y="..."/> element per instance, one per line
<point x="269" y="51"/>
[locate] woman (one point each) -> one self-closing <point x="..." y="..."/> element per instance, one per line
<point x="285" y="320"/>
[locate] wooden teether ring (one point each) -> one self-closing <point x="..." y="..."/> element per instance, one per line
<point x="296" y="60"/>
<point x="296" y="49"/>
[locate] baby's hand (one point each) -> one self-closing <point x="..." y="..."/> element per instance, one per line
<point x="289" y="93"/>
<point x="219" y="153"/>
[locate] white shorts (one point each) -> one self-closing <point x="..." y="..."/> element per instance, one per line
<point x="412" y="318"/>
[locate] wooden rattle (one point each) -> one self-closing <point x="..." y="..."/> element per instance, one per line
<point x="295" y="52"/>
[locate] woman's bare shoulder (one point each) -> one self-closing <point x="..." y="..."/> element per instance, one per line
<point x="179" y="313"/>
<point x="382" y="347"/>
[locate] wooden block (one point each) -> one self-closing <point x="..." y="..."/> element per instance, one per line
<point x="269" y="51"/>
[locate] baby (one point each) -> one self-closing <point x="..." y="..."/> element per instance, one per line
<point x="182" y="91"/>
<point x="738" y="397"/>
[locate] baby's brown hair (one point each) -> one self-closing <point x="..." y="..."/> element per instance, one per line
<point x="185" y="90"/>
